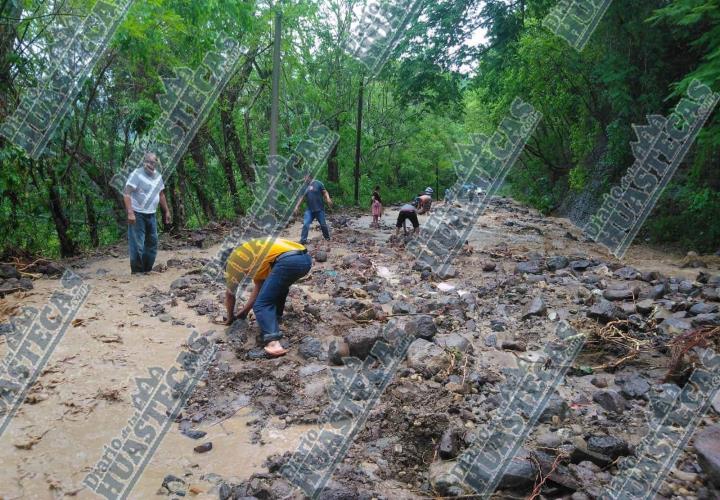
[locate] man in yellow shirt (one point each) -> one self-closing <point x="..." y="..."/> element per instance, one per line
<point x="274" y="264"/>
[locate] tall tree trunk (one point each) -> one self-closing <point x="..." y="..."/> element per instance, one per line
<point x="68" y="247"/>
<point x="358" y="138"/>
<point x="92" y="220"/>
<point x="229" y="173"/>
<point x="275" y="92"/>
<point x="176" y="201"/>
<point x="198" y="184"/>
<point x="333" y="170"/>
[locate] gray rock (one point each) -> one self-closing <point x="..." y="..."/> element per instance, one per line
<point x="710" y="293"/>
<point x="529" y="267"/>
<point x="497" y="326"/>
<point x="605" y="311"/>
<point x="610" y="400"/>
<point x="321" y="256"/>
<point x="514" y="345"/>
<point x="449" y="444"/>
<point x="181" y="283"/>
<point x="384" y="297"/>
<point x="556" y="407"/>
<point x="600" y="382"/>
<point x="608" y="445"/>
<point x="627" y="273"/>
<point x="426" y="357"/>
<point x="646" y="306"/>
<point x="705" y="319"/>
<point x="548" y="440"/>
<point x="635" y="387"/>
<point x="659" y="291"/>
<point x="535" y="308"/>
<point x="579" y="265"/>
<point x="422" y="327"/>
<point x="8" y="271"/>
<point x="674" y="326"/>
<point x="488" y="266"/>
<point x="703" y="308"/>
<point x="557" y="262"/>
<point x="174" y="485"/>
<point x="454" y="341"/>
<point x="707" y="446"/>
<point x="621" y="292"/>
<point x="443" y="482"/>
<point x="447" y="272"/>
<point x="685" y="287"/>
<point x="491" y="340"/>
<point x="361" y="340"/>
<point x="403" y="308"/>
<point x="310" y="348"/>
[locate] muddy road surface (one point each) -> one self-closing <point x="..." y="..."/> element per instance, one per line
<point x="495" y="309"/>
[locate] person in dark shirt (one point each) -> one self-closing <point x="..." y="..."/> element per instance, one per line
<point x="314" y="195"/>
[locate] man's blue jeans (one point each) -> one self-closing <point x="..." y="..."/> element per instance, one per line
<point x="143" y="242"/>
<point x="270" y="302"/>
<point x="307" y="220"/>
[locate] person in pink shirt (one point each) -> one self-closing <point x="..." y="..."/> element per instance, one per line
<point x="377" y="210"/>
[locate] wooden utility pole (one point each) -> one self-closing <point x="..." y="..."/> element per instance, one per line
<point x="275" y="98"/>
<point x="358" y="137"/>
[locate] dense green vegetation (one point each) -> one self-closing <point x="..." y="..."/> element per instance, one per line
<point x="639" y="60"/>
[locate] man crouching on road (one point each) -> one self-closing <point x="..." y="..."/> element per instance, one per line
<point x="273" y="265"/>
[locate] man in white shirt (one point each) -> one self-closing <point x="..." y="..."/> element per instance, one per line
<point x="144" y="189"/>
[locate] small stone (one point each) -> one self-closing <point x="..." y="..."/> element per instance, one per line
<point x="557" y="262"/>
<point x="620" y="293"/>
<point x="579" y="265"/>
<point x="447" y="272"/>
<point x="194" y="434"/>
<point x="610" y="401"/>
<point x="535" y="308"/>
<point x="628" y="273"/>
<point x="608" y="445"/>
<point x="384" y="298"/>
<point x="556" y="407"/>
<point x="529" y="267"/>
<point x="310" y="348"/>
<point x="449" y="444"/>
<point x="173" y="484"/>
<point x="703" y="308"/>
<point x="600" y="382"/>
<point x="605" y="311"/>
<point x="635" y="387"/>
<point x="454" y="341"/>
<point x="403" y="308"/>
<point x="646" y="306"/>
<point x="426" y="357"/>
<point x="203" y="448"/>
<point x="361" y="340"/>
<point x="514" y="345"/>
<point x="422" y="327"/>
<point x="321" y="256"/>
<point x="548" y="440"/>
<point x="674" y="326"/>
<point x="488" y="266"/>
